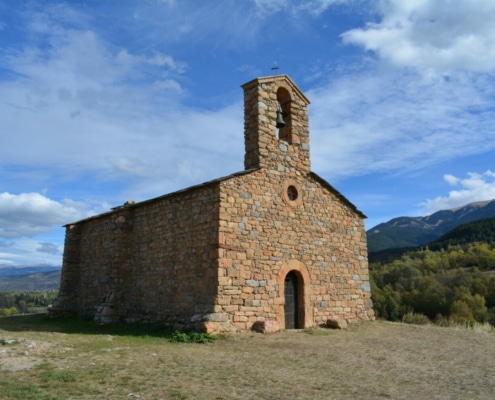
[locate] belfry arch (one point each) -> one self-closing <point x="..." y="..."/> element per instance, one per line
<point x="284" y="103"/>
<point x="295" y="270"/>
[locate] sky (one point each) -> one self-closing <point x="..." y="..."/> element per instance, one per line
<point x="107" y="101"/>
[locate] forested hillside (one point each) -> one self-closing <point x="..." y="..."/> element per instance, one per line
<point x="478" y="231"/>
<point x="452" y="278"/>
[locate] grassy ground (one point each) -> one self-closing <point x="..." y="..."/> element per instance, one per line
<point x="73" y="359"/>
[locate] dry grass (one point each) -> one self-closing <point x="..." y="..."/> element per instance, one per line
<point x="70" y="359"/>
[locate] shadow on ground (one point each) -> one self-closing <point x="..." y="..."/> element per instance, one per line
<point x="43" y="323"/>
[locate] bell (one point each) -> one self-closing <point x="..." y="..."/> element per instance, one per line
<point x="280" y="123"/>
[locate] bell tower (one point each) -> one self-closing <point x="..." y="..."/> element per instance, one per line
<point x="276" y="125"/>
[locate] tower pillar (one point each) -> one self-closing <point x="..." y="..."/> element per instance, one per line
<point x="266" y="146"/>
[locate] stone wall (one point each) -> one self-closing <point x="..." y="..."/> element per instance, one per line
<point x="263" y="237"/>
<point x="155" y="260"/>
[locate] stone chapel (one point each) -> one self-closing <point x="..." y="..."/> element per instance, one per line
<point x="272" y="247"/>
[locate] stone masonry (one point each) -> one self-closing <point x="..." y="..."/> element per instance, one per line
<point x="216" y="257"/>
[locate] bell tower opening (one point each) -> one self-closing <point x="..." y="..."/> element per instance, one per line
<point x="284" y="119"/>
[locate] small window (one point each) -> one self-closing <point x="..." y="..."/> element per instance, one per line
<point x="292" y="193"/>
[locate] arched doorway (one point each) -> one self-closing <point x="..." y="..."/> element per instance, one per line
<point x="291" y="301"/>
<point x="296" y="273"/>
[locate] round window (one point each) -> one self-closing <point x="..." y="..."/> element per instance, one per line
<point x="291" y="193"/>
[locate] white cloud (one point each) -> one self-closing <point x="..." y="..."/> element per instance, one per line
<point x="161" y="60"/>
<point x="25" y="251"/>
<point x="167" y="85"/>
<point x="134" y="166"/>
<point x="49" y="248"/>
<point x="80" y="103"/>
<point x="476" y="187"/>
<point x="88" y="108"/>
<point x="451" y="179"/>
<point x="313" y="7"/>
<point x="30" y="214"/>
<point x="386" y="120"/>
<point x="432" y="36"/>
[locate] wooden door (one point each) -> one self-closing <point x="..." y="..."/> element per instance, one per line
<point x="291" y="301"/>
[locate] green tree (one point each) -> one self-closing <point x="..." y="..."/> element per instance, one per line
<point x="461" y="312"/>
<point x="21" y="305"/>
<point x="6" y="312"/>
<point x="477" y="304"/>
<point x="430" y="297"/>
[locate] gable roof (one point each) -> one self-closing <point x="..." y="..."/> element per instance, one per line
<point x="334" y="191"/>
<point x="131" y="204"/>
<point x="281" y="77"/>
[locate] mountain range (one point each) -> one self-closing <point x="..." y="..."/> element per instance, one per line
<point x="7" y="270"/>
<point x="29" y="278"/>
<point x="416" y="231"/>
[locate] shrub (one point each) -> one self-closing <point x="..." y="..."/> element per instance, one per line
<point x="415" y="319"/>
<point x="440" y="320"/>
<point x="7" y="312"/>
<point x="191" y="337"/>
<point x="461" y="313"/>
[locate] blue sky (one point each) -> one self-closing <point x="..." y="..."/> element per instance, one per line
<point x="107" y="101"/>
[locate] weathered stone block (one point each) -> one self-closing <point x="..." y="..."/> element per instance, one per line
<point x="265" y="326"/>
<point x="207" y="327"/>
<point x="337" y="323"/>
<point x="216" y="317"/>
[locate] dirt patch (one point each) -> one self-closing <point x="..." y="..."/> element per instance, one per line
<point x="17" y="353"/>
